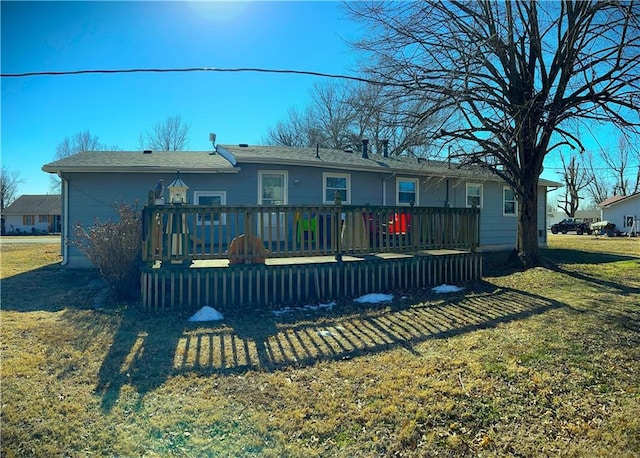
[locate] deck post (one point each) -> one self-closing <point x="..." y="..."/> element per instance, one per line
<point x="337" y="225"/>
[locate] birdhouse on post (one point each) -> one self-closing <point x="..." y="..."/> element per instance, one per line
<point x="177" y="229"/>
<point x="178" y="191"/>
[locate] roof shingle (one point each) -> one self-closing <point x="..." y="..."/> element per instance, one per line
<point x="35" y="204"/>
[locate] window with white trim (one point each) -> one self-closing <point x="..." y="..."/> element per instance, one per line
<point x="508" y="201"/>
<point x="211" y="198"/>
<point x="333" y="183"/>
<point x="407" y="191"/>
<point x="474" y="195"/>
<point x="272" y="187"/>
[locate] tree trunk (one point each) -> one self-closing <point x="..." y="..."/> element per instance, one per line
<point x="527" y="243"/>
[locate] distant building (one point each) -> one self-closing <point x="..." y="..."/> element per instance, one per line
<point x="33" y="213"/>
<point x="623" y="211"/>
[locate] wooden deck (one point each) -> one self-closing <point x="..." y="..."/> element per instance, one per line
<point x="300" y="280"/>
<point x="296" y="254"/>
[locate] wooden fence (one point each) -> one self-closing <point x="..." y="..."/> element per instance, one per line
<point x="246" y="234"/>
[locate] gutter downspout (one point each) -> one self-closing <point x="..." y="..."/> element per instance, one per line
<point x="64" y="239"/>
<point x="384" y="188"/>
<point x="446" y="202"/>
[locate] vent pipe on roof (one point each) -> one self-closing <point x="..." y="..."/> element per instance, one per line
<point x="365" y="143"/>
<point x="385" y="148"/>
<point x="317" y="150"/>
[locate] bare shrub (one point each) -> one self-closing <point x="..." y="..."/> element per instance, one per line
<point x="114" y="247"/>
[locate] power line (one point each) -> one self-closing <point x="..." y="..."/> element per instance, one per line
<point x="188" y="70"/>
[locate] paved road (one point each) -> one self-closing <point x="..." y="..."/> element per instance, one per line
<point x="10" y="239"/>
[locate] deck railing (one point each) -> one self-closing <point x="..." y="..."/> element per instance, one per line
<point x="245" y="234"/>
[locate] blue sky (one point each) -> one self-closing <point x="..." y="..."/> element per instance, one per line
<point x="38" y="112"/>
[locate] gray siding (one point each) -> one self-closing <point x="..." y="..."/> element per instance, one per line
<point x="93" y="195"/>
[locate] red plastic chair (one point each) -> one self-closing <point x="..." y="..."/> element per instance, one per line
<point x="399" y="224"/>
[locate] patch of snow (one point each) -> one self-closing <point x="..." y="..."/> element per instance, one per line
<point x="304" y="308"/>
<point x="207" y="313"/>
<point x="374" y="298"/>
<point x="325" y="333"/>
<point x="447" y="289"/>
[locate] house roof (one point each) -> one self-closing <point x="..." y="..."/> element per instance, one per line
<point x="340" y="159"/>
<point x="343" y="160"/>
<point x="616" y="200"/>
<point x="40" y="204"/>
<point x="139" y="161"/>
<point x="228" y="158"/>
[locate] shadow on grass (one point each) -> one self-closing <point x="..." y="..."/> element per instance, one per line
<point x="554" y="259"/>
<point x="569" y="256"/>
<point x="618" y="287"/>
<point x="142" y="355"/>
<point x="147" y="350"/>
<point x="50" y="288"/>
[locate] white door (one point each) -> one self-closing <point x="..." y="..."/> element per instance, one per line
<point x="272" y="191"/>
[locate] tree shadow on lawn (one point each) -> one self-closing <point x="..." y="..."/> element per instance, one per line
<point x="556" y="258"/>
<point x="50" y="288"/>
<point x="499" y="263"/>
<point x="147" y="350"/>
<point x="569" y="256"/>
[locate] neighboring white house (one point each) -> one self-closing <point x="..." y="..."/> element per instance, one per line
<point x="623" y="211"/>
<point x="33" y="213"/>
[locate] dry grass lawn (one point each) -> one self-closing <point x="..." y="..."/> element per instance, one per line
<point x="537" y="363"/>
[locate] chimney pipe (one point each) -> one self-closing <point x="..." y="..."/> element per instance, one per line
<point x="365" y="143"/>
<point x="385" y="147"/>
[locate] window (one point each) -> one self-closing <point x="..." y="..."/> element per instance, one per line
<point x="211" y="198"/>
<point x="407" y="191"/>
<point x="28" y="220"/>
<point x="43" y="218"/>
<point x="474" y="195"/>
<point x="272" y="187"/>
<point x="334" y="182"/>
<point x="508" y="201"/>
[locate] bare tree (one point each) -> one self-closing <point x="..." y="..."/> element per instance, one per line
<point x="292" y="132"/>
<point x="340" y="115"/>
<point x="599" y="187"/>
<point x="77" y="143"/>
<point x="172" y="134"/>
<point x="508" y="78"/>
<point x="325" y="121"/>
<point x="613" y="172"/>
<point x="575" y="180"/>
<point x="621" y="163"/>
<point x="74" y="144"/>
<point x="9" y="181"/>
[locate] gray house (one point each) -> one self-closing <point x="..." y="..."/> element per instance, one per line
<point x="258" y="175"/>
<point x="32" y="213"/>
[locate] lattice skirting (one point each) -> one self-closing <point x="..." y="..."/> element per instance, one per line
<point x="272" y="286"/>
